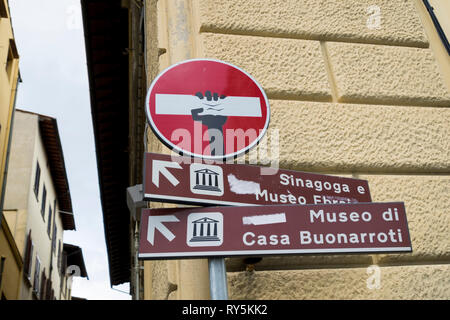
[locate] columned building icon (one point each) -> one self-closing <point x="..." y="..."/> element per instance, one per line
<point x="204" y="229"/>
<point x="206" y="179"/>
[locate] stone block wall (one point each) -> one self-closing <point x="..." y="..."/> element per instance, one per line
<point x="357" y="88"/>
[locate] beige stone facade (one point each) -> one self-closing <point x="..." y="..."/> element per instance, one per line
<point x="11" y="262"/>
<point x="357" y="88"/>
<point x="9" y="78"/>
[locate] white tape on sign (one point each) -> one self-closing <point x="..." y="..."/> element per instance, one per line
<point x="264" y="219"/>
<point x="182" y="104"/>
<point x="243" y="186"/>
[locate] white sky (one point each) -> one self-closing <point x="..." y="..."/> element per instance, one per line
<point x="50" y="40"/>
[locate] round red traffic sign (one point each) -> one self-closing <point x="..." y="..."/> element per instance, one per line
<point x="207" y="108"/>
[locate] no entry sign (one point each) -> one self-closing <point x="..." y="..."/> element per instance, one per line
<point x="181" y="180"/>
<point x="207" y="108"/>
<point x="274" y="230"/>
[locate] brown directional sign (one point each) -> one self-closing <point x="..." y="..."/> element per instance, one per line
<point x="274" y="230"/>
<point x="181" y="180"/>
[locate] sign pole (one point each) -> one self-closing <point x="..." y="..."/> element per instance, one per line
<point x="217" y="278"/>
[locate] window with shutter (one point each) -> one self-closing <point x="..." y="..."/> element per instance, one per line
<point x="43" y="284"/>
<point x="3" y="10"/>
<point x="44" y="199"/>
<point x="55" y="232"/>
<point x="12" y="55"/>
<point x="36" y="283"/>
<point x="2" y="268"/>
<point x="49" y="222"/>
<point x="48" y="289"/>
<point x="54" y="222"/>
<point x="59" y="255"/>
<point x="31" y="260"/>
<point x="63" y="263"/>
<point x="37" y="178"/>
<point x="28" y="262"/>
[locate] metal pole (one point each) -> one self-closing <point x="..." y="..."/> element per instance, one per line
<point x="217" y="279"/>
<point x="137" y="268"/>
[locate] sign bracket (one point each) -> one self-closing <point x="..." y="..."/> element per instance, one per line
<point x="135" y="200"/>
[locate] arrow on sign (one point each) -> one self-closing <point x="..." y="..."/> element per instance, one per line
<point x="155" y="222"/>
<point x="160" y="166"/>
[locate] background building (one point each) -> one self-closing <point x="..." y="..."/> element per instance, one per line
<point x="38" y="208"/>
<point x="11" y="262"/>
<point x="357" y="88"/>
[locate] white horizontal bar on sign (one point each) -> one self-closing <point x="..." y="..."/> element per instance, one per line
<point x="182" y="104"/>
<point x="265" y="219"/>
